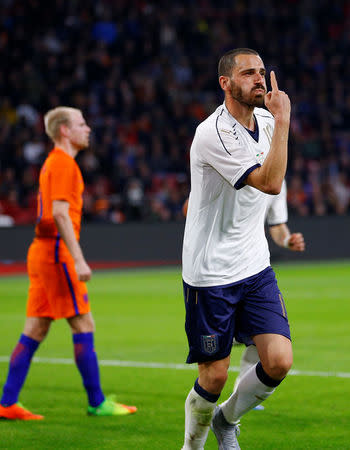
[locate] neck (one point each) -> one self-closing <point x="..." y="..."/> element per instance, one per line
<point x="67" y="147"/>
<point x="243" y="113"/>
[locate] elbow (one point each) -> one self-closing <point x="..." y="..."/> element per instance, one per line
<point x="272" y="188"/>
<point x="60" y="212"/>
<point x="58" y="216"/>
<point x="271" y="184"/>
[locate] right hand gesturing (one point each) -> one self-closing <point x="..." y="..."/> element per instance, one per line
<point x="277" y="102"/>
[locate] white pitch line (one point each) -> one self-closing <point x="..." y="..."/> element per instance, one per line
<point x="158" y="365"/>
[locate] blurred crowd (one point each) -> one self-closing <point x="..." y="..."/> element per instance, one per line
<point x="144" y="73"/>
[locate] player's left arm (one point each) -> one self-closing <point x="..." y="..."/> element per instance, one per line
<point x="60" y="213"/>
<point x="284" y="238"/>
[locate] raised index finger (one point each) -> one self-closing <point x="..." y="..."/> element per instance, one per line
<point x="273" y="80"/>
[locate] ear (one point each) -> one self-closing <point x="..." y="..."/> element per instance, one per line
<point x="64" y="130"/>
<point x="224" y="82"/>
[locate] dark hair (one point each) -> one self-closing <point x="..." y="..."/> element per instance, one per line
<point x="227" y="61"/>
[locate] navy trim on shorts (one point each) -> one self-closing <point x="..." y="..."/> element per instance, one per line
<point x="57" y="247"/>
<point x="70" y="284"/>
<point x="239" y="184"/>
<point x="243" y="280"/>
<point x="40" y="201"/>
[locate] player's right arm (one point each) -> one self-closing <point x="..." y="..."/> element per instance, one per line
<point x="60" y="213"/>
<point x="269" y="177"/>
<point x="277" y="217"/>
<point x="284" y="238"/>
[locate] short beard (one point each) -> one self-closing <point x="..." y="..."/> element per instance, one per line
<point x="236" y="94"/>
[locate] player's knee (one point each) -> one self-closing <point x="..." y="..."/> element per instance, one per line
<point x="38" y="334"/>
<point x="82" y="324"/>
<point x="217" y="379"/>
<point x="36" y="330"/>
<point x="279" y="366"/>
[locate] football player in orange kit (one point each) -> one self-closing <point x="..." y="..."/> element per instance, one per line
<point x="57" y="271"/>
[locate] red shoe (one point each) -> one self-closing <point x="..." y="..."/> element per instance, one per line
<point x="17" y="412"/>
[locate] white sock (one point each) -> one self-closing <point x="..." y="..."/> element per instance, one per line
<point x="198" y="415"/>
<point x="249" y="359"/>
<point x="250" y="392"/>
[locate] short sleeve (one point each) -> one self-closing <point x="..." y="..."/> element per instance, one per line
<point x="62" y="179"/>
<point x="277" y="212"/>
<point x="224" y="150"/>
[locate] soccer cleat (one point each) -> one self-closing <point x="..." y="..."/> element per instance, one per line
<point x="110" y="408"/>
<point x="226" y="433"/>
<point x="259" y="408"/>
<point x="17" y="412"/>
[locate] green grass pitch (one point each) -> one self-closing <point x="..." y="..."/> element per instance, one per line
<point x="139" y="318"/>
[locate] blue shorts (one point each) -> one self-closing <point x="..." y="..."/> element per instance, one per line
<point x="215" y="315"/>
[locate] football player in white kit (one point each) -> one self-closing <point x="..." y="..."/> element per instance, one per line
<point x="238" y="156"/>
<point x="276" y="218"/>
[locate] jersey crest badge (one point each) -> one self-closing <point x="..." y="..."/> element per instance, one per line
<point x="210" y="344"/>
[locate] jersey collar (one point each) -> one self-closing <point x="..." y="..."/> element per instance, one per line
<point x="254" y="134"/>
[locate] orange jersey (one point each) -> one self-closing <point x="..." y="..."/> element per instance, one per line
<point x="60" y="179"/>
<point x="54" y="289"/>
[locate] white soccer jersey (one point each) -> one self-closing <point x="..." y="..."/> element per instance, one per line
<point x="224" y="239"/>
<point x="277" y="210"/>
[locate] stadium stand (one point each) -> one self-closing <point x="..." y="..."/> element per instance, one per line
<point x="143" y="75"/>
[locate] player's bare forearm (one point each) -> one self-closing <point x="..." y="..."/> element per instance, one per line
<point x="65" y="228"/>
<point x="269" y="177"/>
<point x="282" y="236"/>
<point x="279" y="233"/>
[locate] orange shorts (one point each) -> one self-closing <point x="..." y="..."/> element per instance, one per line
<point x="54" y="289"/>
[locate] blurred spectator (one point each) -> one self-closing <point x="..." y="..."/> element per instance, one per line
<point x="297" y="198"/>
<point x="134" y="200"/>
<point x="11" y="207"/>
<point x="339" y="193"/>
<point x="28" y="113"/>
<point x="5" y="220"/>
<point x="33" y="151"/>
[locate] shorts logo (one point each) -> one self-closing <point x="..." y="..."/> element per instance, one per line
<point x="210" y="344"/>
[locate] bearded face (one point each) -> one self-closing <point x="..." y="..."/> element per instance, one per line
<point x="246" y="95"/>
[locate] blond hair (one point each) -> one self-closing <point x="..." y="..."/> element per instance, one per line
<point x="56" y="117"/>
